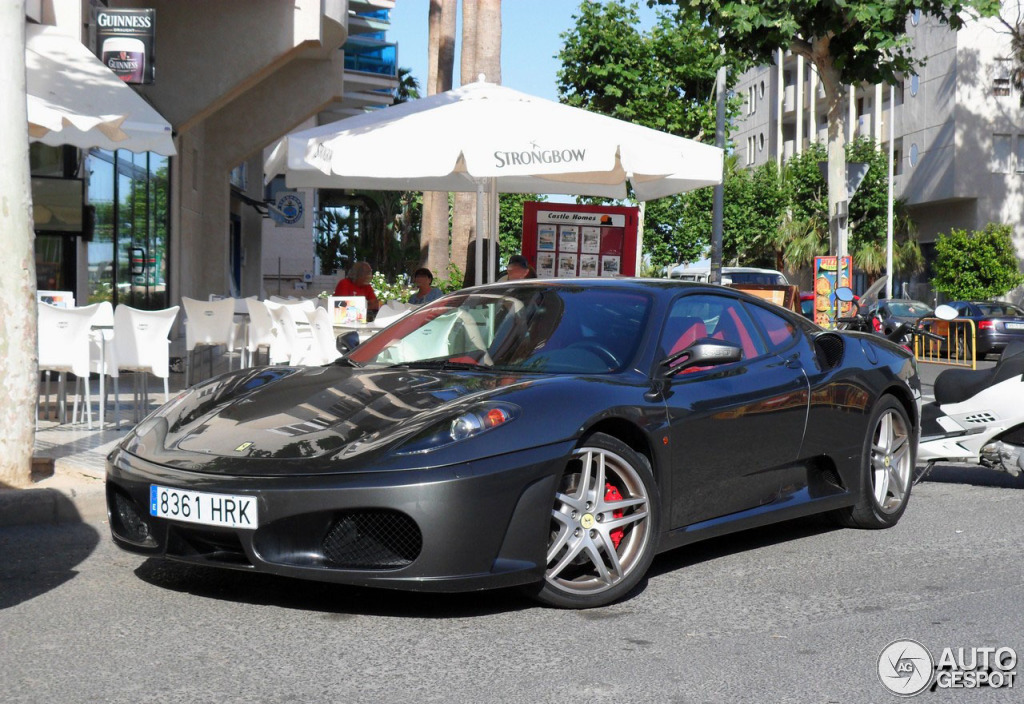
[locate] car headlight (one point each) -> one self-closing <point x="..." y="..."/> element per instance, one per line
<point x="468" y="424"/>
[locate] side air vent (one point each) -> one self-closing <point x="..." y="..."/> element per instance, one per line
<point x="830" y="348"/>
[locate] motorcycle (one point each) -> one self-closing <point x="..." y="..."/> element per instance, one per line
<point x="977" y="417"/>
<point x="903" y="334"/>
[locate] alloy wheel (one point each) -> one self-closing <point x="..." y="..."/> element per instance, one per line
<point x="890" y="461"/>
<point x="600" y="523"/>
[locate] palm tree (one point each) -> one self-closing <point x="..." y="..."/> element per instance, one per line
<point x="441" y="65"/>
<point x="481" y="54"/>
<point x="408" y="87"/>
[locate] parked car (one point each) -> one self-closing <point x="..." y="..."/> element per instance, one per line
<point x="891" y="312"/>
<point x="995" y="324"/>
<point x="554" y="434"/>
<point x="731" y="275"/>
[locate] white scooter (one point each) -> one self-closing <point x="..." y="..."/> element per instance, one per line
<point x="977" y="416"/>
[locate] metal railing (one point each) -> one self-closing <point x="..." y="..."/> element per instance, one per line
<point x="955" y="349"/>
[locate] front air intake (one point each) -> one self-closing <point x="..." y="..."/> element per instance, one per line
<point x="372" y="540"/>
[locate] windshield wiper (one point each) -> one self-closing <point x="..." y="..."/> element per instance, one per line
<point x="443" y="364"/>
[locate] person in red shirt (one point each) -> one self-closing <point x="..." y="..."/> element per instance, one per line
<point x="357" y="283"/>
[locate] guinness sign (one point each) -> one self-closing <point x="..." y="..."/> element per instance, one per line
<point x="124" y="42"/>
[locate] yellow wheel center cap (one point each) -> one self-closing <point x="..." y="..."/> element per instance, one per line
<point x="888" y="460"/>
<point x="587" y="522"/>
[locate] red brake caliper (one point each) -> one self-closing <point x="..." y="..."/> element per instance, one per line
<point x="612" y="494"/>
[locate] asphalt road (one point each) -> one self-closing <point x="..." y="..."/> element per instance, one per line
<point x="795" y="613"/>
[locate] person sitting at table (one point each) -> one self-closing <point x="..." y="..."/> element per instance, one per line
<point x="357" y="283"/>
<point x="425" y="291"/>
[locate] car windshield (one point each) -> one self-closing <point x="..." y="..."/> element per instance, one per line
<point x="909" y="309"/>
<point x="538" y="328"/>
<point x="757" y="277"/>
<point x="999" y="309"/>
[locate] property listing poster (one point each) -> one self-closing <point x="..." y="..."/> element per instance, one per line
<point x="563" y="240"/>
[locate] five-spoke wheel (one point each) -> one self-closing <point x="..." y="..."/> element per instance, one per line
<point x="603" y="526"/>
<point x="888" y="464"/>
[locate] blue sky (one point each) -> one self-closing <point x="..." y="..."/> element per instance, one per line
<point x="529" y="40"/>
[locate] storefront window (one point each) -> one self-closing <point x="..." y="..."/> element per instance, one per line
<point x="128" y="253"/>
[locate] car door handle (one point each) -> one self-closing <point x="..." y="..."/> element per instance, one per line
<point x="793" y="361"/>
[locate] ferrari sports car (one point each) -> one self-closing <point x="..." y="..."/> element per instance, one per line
<point x="552" y="434"/>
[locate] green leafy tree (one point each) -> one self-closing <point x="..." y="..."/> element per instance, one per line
<point x="803" y="234"/>
<point x="976" y="265"/>
<point x="848" y="42"/>
<point x="754" y="203"/>
<point x="663" y="79"/>
<point x="510" y="222"/>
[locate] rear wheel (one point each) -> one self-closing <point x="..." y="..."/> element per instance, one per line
<point x="887" y="464"/>
<point x="603" y="526"/>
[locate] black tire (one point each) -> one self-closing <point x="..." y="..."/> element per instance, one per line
<point x="584" y="534"/>
<point x="963" y="349"/>
<point x="888" y="457"/>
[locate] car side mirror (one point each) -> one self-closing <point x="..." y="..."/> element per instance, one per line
<point x="347" y="342"/>
<point x="705" y="352"/>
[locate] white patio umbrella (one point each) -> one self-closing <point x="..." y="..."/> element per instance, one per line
<point x="486" y="137"/>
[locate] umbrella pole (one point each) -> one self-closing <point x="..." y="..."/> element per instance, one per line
<point x="492" y="253"/>
<point x="478" y="273"/>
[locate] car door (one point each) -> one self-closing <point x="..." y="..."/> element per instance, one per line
<point x="732" y="428"/>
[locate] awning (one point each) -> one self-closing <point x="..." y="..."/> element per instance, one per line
<point x="74" y="99"/>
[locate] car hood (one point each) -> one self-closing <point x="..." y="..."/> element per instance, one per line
<point x="277" y="416"/>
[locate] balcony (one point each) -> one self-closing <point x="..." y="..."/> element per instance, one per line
<point x="371" y="55"/>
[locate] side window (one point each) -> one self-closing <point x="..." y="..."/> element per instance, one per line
<point x="779" y="332"/>
<point x="717" y="317"/>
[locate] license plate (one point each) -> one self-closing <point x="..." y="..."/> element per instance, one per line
<point x="203" y="508"/>
<point x="1014" y="326"/>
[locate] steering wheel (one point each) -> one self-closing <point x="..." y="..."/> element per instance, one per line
<point x="598" y="350"/>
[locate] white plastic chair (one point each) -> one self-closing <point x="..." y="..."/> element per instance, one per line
<point x="324" y="349"/>
<point x="263" y="333"/>
<point x="209" y="324"/>
<point x="63" y="346"/>
<point x="389" y="313"/>
<point x="298" y="308"/>
<point x="141" y="345"/>
<point x="296" y="347"/>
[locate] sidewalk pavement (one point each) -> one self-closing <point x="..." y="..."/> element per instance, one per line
<point x="75" y="492"/>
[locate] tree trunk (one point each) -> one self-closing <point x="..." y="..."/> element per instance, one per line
<point x="481" y="54"/>
<point x="835" y="99"/>
<point x="18" y="357"/>
<point x="441" y="56"/>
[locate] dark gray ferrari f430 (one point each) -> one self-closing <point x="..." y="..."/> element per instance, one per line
<point x="554" y="434"/>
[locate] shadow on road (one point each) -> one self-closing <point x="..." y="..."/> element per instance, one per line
<point x="974" y="475"/>
<point x="35" y="560"/>
<point x="341" y="600"/>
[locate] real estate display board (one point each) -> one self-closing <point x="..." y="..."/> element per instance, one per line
<point x="564" y="240"/>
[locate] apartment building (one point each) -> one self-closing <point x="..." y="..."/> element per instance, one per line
<point x="958" y="128"/>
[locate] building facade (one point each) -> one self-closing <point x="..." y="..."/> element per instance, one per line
<point x="231" y="77"/>
<point x="958" y="128"/>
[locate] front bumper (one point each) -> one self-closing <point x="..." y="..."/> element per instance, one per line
<point x="476" y="525"/>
